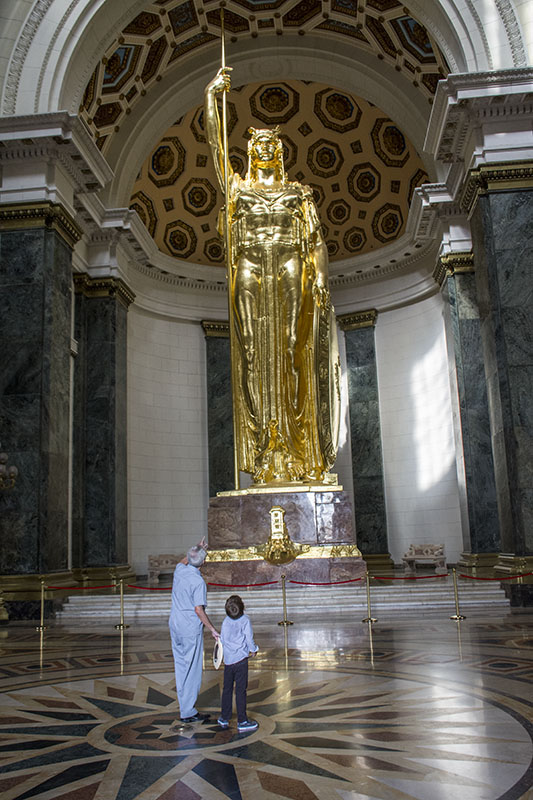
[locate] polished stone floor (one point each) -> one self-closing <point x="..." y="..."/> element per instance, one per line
<point x="428" y="709"/>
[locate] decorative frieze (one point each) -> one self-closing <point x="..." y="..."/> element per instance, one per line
<point x="453" y="264"/>
<point x="216" y="329"/>
<point x="38" y="215"/>
<point x="495" y="178"/>
<point x="103" y="287"/>
<point x="359" y="319"/>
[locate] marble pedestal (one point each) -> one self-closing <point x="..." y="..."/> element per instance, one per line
<point x="320" y="519"/>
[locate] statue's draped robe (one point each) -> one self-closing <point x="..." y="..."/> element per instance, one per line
<point x="277" y="403"/>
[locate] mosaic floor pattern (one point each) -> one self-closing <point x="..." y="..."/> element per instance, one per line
<point x="440" y="720"/>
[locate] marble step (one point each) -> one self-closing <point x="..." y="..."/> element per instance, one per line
<point x="388" y="600"/>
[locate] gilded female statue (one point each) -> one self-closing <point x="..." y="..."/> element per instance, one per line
<point x="286" y="385"/>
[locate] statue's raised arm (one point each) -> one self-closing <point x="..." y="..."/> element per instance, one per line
<point x="220" y="83"/>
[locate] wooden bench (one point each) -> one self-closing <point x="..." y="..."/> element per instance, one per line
<point x="165" y="563"/>
<point x="430" y="554"/>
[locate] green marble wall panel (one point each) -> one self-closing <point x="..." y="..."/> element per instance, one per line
<point x="219" y="415"/>
<point x="35" y="332"/>
<point x="99" y="529"/>
<point x="502" y="227"/>
<point x="365" y="432"/>
<point x="480" y="489"/>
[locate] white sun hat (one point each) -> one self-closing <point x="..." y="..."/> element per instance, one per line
<point x="218" y="654"/>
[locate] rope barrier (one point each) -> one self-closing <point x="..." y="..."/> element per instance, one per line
<point x="407" y="577"/>
<point x="328" y="583"/>
<point x="82" y="588"/>
<point x="505" y="578"/>
<point x="150" y="588"/>
<point x="243" y="585"/>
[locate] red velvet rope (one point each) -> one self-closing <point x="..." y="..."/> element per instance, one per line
<point x="506" y="578"/>
<point x="243" y="585"/>
<point x="328" y="583"/>
<point x="407" y="577"/>
<point x="150" y="588"/>
<point x="83" y="588"/>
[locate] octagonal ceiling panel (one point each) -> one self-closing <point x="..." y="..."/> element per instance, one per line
<point x="166" y="32"/>
<point x="361" y="167"/>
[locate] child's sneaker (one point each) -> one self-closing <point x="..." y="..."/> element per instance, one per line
<point x="247" y="725"/>
<point x="223" y="722"/>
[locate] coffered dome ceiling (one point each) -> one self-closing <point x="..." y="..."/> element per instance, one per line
<point x="361" y="166"/>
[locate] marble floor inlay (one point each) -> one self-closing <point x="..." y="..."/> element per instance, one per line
<point x="427" y="712"/>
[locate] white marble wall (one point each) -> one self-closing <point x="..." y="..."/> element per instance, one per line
<point x="167" y="436"/>
<point x="422" y="497"/>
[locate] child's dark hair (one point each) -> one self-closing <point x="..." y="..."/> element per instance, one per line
<point x="234" y="607"/>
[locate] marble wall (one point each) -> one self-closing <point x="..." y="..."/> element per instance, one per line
<point x="502" y="227"/>
<point x="99" y="526"/>
<point x="167" y="436"/>
<point x="421" y="491"/>
<point x="481" y="529"/>
<point x="365" y="436"/>
<point x="219" y="414"/>
<point x="35" y="330"/>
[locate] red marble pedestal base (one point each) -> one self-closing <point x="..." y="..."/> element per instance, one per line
<point x="320" y="519"/>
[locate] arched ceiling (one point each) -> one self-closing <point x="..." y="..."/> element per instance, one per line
<point x="167" y="31"/>
<point x="361" y="167"/>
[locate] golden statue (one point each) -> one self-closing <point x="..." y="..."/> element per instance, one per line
<point x="285" y="365"/>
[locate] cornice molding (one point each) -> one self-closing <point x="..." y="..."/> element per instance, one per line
<point x="58" y="136"/>
<point x="495" y="178"/>
<point x="453" y="264"/>
<point x="38" y="215"/>
<point x="103" y="287"/>
<point x="464" y="100"/>
<point x="359" y="319"/>
<point x="215" y="330"/>
<point x="183" y="282"/>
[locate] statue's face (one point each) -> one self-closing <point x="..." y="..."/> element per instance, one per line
<point x="265" y="148"/>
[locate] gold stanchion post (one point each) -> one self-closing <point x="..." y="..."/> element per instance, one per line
<point x="121" y="626"/>
<point x="122" y="651"/>
<point x="370" y="619"/>
<point x="371" y="643"/>
<point x="457" y="616"/>
<point x="41" y="652"/>
<point x="284" y="621"/>
<point x="42" y="626"/>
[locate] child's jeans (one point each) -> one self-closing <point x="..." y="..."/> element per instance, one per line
<point x="238" y="674"/>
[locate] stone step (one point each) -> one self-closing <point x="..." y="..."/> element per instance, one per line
<point x="387" y="600"/>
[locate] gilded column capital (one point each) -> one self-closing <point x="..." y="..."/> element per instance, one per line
<point x="495" y="178"/>
<point x="358" y="319"/>
<point x="216" y="330"/>
<point x="21" y="216"/>
<point x="103" y="287"/>
<point x="453" y="264"/>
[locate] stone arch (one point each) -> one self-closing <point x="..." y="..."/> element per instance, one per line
<point x="55" y="43"/>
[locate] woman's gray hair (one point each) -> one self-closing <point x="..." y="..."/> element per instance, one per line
<point x="196" y="556"/>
